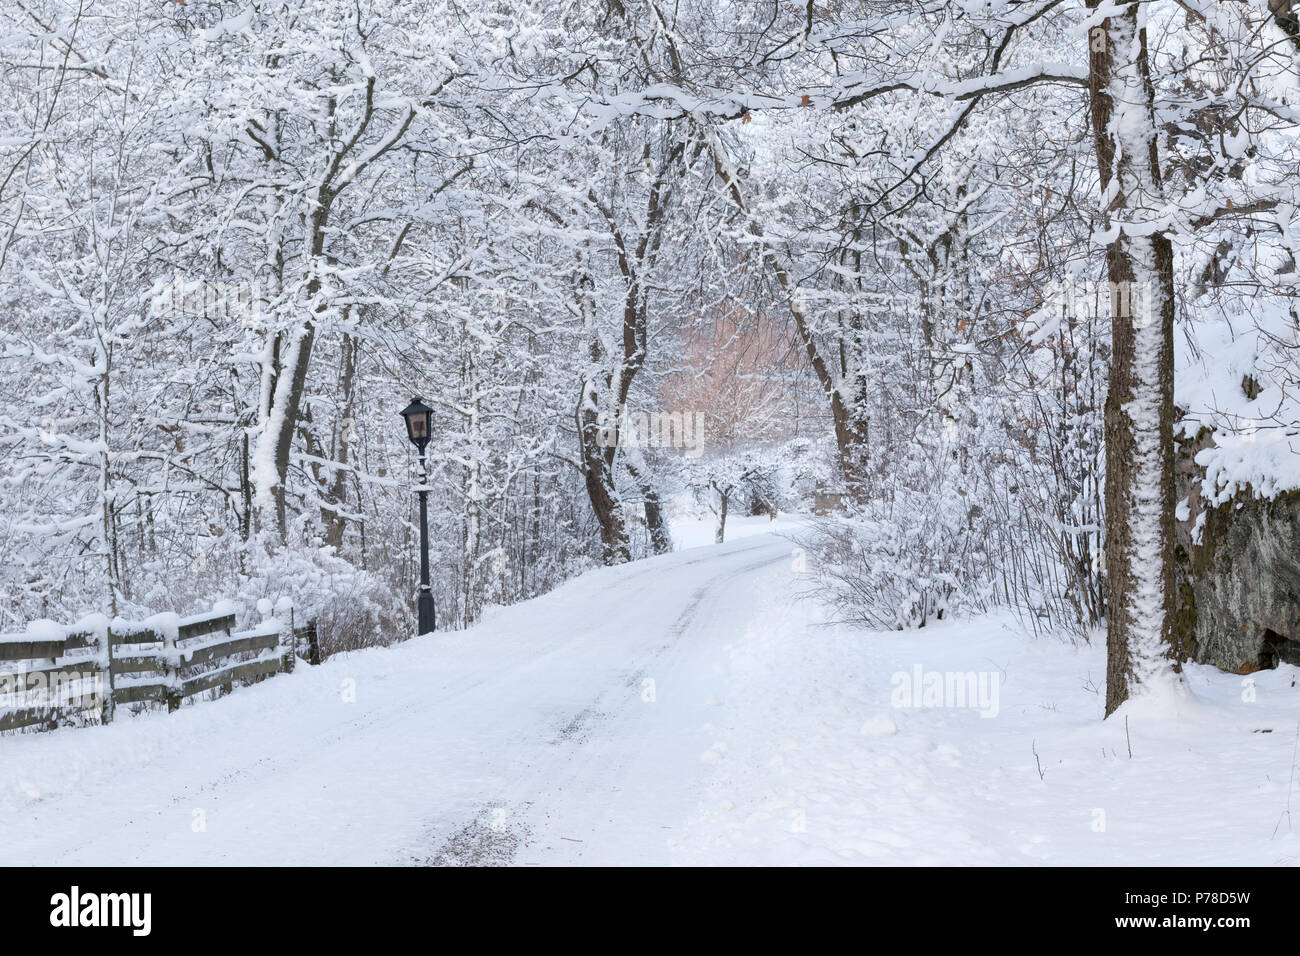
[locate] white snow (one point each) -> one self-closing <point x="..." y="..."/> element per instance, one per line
<point x="683" y="709"/>
<point x="700" y="532"/>
<point x="1256" y="440"/>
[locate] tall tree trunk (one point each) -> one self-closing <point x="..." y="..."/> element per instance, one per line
<point x="1139" y="405"/>
<point x="107" y="530"/>
<point x="276" y="440"/>
<point x="661" y="541"/>
<point x="598" y="474"/>
<point x="344" y="434"/>
<point x="598" y="440"/>
<point x="723" y="498"/>
<point x="470" y="401"/>
<point x="246" y="497"/>
<point x="271" y="471"/>
<point x="600" y="446"/>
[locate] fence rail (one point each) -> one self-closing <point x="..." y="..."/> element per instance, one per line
<point x="80" y="674"/>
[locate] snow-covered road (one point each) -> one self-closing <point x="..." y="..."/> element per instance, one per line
<point x="566" y="729"/>
<point x="684" y="709"/>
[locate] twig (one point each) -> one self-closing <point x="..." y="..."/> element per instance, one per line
<point x="1291" y="785"/>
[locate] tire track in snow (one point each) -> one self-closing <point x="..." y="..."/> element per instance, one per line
<point x="598" y="743"/>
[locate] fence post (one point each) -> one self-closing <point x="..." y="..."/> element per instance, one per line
<point x="288" y="661"/>
<point x="173" y="673"/>
<point x="313" y="642"/>
<point x="55" y="694"/>
<point x="106" y="662"/>
<point x="228" y="687"/>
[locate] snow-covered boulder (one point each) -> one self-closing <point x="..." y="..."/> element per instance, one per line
<point x="1238" y="521"/>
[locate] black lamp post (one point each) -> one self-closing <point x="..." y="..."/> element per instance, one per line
<point x="419" y="427"/>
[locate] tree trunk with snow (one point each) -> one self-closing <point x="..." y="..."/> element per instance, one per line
<point x="598" y="475"/>
<point x="661" y="541"/>
<point x="598" y="439"/>
<point x="1139" y="405"/>
<point x="720" y="537"/>
<point x="332" y="510"/>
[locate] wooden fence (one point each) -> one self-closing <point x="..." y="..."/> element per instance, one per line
<point x="82" y="675"/>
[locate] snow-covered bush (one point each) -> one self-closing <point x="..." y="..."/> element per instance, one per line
<point x="352" y="608"/>
<point x="905" y="557"/>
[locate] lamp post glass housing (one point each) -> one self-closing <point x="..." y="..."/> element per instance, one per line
<point x="419" y="423"/>
<point x="419" y="429"/>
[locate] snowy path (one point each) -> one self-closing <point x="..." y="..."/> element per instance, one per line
<point x="529" y="738"/>
<point x="684" y="709"/>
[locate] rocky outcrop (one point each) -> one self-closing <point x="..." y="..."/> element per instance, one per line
<point x="1239" y="580"/>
